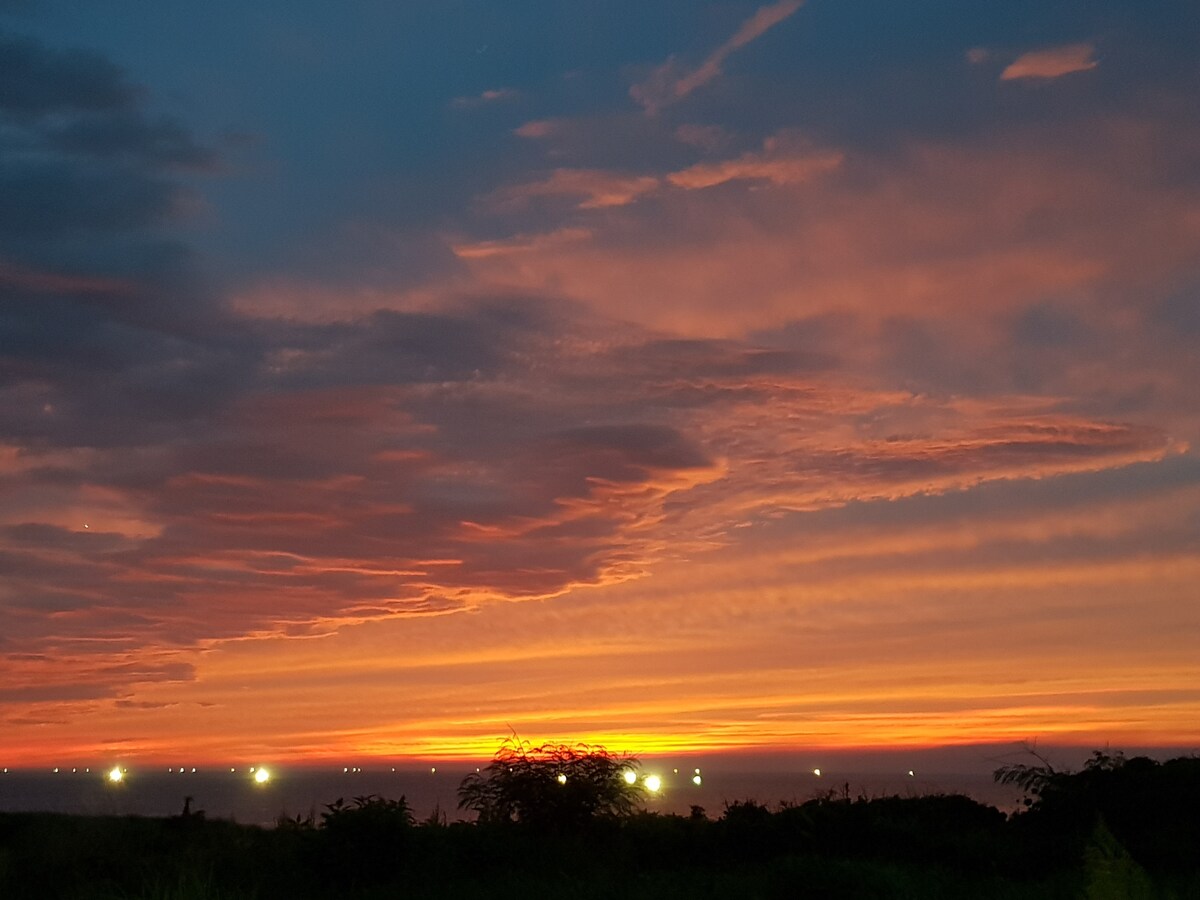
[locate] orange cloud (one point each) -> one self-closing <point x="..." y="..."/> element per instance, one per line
<point x="782" y="162"/>
<point x="1052" y="62"/>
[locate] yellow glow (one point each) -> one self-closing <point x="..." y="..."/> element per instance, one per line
<point x="653" y="784"/>
<point x="115" y="775"/>
<point x="697" y="780"/>
<point x="262" y="776"/>
<point x="817" y="772"/>
<point x="630" y="776"/>
<point x="562" y="779"/>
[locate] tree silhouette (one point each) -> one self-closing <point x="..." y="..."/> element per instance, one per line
<point x="552" y="786"/>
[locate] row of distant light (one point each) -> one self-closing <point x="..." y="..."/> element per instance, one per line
<point x="262" y="775"/>
<point x="117" y="774"/>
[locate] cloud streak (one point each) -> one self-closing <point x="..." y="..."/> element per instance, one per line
<point x="671" y="82"/>
<point x="1051" y="62"/>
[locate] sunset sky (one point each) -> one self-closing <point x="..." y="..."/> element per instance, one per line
<point x="380" y="378"/>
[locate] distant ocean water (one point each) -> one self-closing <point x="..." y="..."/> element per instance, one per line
<point x="300" y="791"/>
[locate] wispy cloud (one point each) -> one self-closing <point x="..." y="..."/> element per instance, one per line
<point x="671" y="82"/>
<point x="595" y="189"/>
<point x="783" y="161"/>
<point x="493" y="95"/>
<point x="786" y="159"/>
<point x="1052" y="62"/>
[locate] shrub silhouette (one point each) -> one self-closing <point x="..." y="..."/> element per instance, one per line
<point x="362" y="840"/>
<point x="1152" y="809"/>
<point x="552" y="786"/>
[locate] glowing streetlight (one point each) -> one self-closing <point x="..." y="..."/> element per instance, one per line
<point x="262" y="776"/>
<point x="562" y="778"/>
<point x="817" y="772"/>
<point x="115" y="775"/>
<point x="697" y="780"/>
<point x="629" y="775"/>
<point x="653" y="784"/>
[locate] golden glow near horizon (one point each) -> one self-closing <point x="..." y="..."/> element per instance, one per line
<point x="115" y="775"/>
<point x="262" y="775"/>
<point x="653" y="783"/>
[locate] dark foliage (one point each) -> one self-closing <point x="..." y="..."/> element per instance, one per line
<point x="1119" y="828"/>
<point x="554" y="786"/>
<point x="1151" y="809"/>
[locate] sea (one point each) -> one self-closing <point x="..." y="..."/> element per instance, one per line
<point x="236" y="793"/>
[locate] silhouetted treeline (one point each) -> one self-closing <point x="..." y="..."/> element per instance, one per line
<point x="1119" y="828"/>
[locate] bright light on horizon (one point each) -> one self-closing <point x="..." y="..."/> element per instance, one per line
<point x="653" y="784"/>
<point x="630" y="776"/>
<point x="115" y="775"/>
<point x="262" y="776"/>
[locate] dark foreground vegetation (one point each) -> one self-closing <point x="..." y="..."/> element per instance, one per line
<point x="1121" y="828"/>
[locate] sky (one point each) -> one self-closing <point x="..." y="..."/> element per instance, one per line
<point x="381" y="379"/>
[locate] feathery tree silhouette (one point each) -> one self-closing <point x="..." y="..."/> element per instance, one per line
<point x="552" y="785"/>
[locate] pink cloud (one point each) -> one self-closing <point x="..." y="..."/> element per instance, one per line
<point x="783" y="161"/>
<point x="538" y="128"/>
<point x="492" y="95"/>
<point x="670" y="82"/>
<point x="1052" y="62"/>
<point x="596" y="189"/>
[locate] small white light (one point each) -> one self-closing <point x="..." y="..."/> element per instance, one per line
<point x="697" y="780"/>
<point x="630" y="776"/>
<point x="697" y="771"/>
<point x="653" y="783"/>
<point x="817" y="772"/>
<point x="433" y="770"/>
<point x="911" y="773"/>
<point x="562" y="779"/>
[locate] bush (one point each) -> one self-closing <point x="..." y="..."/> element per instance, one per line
<point x="552" y="786"/>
